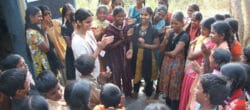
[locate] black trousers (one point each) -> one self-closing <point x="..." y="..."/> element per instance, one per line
<point x="148" y="88"/>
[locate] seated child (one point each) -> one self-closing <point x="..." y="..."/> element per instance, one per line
<point x="35" y="102"/>
<point x="77" y="94"/>
<point x="85" y="65"/>
<point x="49" y="87"/>
<point x="14" y="83"/>
<point x="111" y="98"/>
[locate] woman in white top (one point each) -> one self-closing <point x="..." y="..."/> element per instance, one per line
<point x="84" y="42"/>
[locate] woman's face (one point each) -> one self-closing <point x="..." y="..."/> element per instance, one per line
<point x="216" y="38"/>
<point x="205" y="31"/>
<point x="159" y="15"/>
<point x="37" y="18"/>
<point x="22" y="65"/>
<point x="194" y="22"/>
<point x="47" y="16"/>
<point x="119" y="18"/>
<point x="190" y="11"/>
<point x="86" y="24"/>
<point x="176" y="25"/>
<point x="145" y="16"/>
<point x="67" y="14"/>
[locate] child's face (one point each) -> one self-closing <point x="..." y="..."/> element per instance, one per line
<point x="102" y="14"/>
<point x="194" y="22"/>
<point x="67" y="14"/>
<point x="55" y="94"/>
<point x="145" y="16"/>
<point x="190" y="11"/>
<point x="205" y="31"/>
<point x="159" y="15"/>
<point x="162" y="2"/>
<point x="117" y="3"/>
<point x="106" y="2"/>
<point x="200" y="95"/>
<point x="22" y="65"/>
<point x="176" y="25"/>
<point x="119" y="18"/>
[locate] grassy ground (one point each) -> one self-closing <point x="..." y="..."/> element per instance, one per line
<point x="207" y="7"/>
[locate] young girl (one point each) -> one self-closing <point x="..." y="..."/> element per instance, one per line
<point x="66" y="31"/>
<point x="145" y="40"/>
<point x="168" y="16"/>
<point x="84" y="41"/>
<point x="135" y="11"/>
<point x="172" y="73"/>
<point x="37" y="40"/>
<point x="191" y="9"/>
<point x="235" y="45"/>
<point x="193" y="28"/>
<point x="115" y="55"/>
<point x="114" y="4"/>
<point x="100" y="23"/>
<point x="194" y="54"/>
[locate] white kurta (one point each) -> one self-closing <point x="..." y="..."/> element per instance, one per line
<point x="85" y="45"/>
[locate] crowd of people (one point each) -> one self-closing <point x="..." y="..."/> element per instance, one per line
<point x="192" y="62"/>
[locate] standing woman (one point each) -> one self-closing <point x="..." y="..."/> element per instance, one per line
<point x="172" y="72"/>
<point x="145" y="40"/>
<point x="37" y="39"/>
<point x="135" y="12"/>
<point x="193" y="28"/>
<point x="66" y="30"/>
<point x="84" y="41"/>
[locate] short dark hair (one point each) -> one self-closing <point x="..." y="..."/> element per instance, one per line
<point x="208" y="22"/>
<point x="102" y="7"/>
<point x="236" y="73"/>
<point x="219" y="17"/>
<point x="195" y="7"/>
<point x="110" y="95"/>
<point x="85" y="64"/>
<point x="163" y="8"/>
<point x="12" y="80"/>
<point x="68" y="90"/>
<point x="216" y="86"/>
<point x="221" y="57"/>
<point x="246" y="52"/>
<point x="197" y="15"/>
<point x="79" y="95"/>
<point x="118" y="10"/>
<point x="45" y="82"/>
<point x="178" y="15"/>
<point x="44" y="8"/>
<point x="82" y="14"/>
<point x="10" y="61"/>
<point x="156" y="106"/>
<point x="35" y="102"/>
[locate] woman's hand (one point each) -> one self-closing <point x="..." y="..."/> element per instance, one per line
<point x="142" y="41"/>
<point x="205" y="50"/>
<point x="105" y="41"/>
<point x="129" y="54"/>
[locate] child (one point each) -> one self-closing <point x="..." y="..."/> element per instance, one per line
<point x="104" y="2"/>
<point x="84" y="41"/>
<point x="135" y="12"/>
<point x="145" y="41"/>
<point x="36" y="102"/>
<point x="49" y="87"/>
<point x="191" y="9"/>
<point x="172" y="72"/>
<point x="14" y="83"/>
<point x="115" y="56"/>
<point x="169" y="15"/>
<point x="100" y="23"/>
<point x="85" y="65"/>
<point x="114" y="4"/>
<point x="111" y="96"/>
<point x="193" y="29"/>
<point x="77" y="95"/>
<point x="236" y="48"/>
<point x="66" y="31"/>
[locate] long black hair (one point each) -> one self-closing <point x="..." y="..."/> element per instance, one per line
<point x="233" y="23"/>
<point x="65" y="8"/>
<point x="32" y="11"/>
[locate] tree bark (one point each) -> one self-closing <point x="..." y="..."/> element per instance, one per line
<point x="237" y="14"/>
<point x="246" y="18"/>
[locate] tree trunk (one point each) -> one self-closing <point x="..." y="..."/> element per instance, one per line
<point x="237" y="14"/>
<point x="246" y="18"/>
